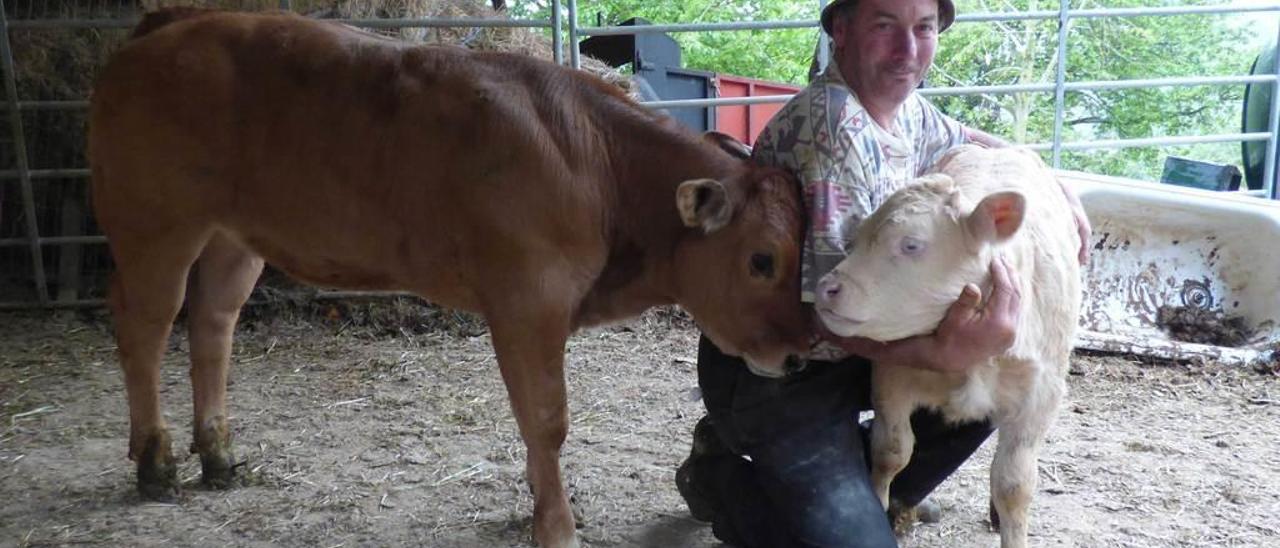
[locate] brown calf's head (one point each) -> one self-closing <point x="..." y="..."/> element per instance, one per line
<point x="738" y="272"/>
<point x="913" y="256"/>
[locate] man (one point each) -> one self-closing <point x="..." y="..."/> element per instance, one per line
<point x="856" y="134"/>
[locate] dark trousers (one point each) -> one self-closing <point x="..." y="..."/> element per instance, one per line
<point x="806" y="482"/>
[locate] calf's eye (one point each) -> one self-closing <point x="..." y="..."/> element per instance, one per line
<point x="762" y="265"/>
<point x="911" y="247"/>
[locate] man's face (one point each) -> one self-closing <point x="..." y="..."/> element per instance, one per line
<point x="885" y="47"/>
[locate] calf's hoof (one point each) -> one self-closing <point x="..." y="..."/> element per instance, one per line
<point x="557" y="532"/>
<point x="157" y="473"/>
<point x="571" y="542"/>
<point x="903" y="518"/>
<point x="217" y="462"/>
<point x="218" y="471"/>
<point x="158" y="483"/>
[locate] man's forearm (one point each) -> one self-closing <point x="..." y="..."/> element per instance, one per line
<point x="917" y="352"/>
<point x="983" y="138"/>
<point x="921" y="352"/>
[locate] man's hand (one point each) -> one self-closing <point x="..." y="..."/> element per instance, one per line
<point x="970" y="333"/>
<point x="1083" y="228"/>
<point x="982" y="138"/>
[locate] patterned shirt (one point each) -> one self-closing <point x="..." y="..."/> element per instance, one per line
<point x="846" y="163"/>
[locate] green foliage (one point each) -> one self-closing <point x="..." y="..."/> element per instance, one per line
<point x="775" y="55"/>
<point x="1016" y="52"/>
<point x="1101" y="49"/>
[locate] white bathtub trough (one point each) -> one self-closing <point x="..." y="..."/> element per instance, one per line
<point x="1203" y="256"/>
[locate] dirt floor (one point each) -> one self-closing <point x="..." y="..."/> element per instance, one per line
<point x="366" y="433"/>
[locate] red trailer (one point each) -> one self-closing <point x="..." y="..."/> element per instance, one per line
<point x="744" y="122"/>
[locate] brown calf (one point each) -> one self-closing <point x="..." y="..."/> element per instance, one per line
<point x="221" y="140"/>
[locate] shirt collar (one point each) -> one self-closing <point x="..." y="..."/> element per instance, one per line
<point x="832" y="75"/>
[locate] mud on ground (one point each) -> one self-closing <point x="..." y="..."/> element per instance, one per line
<point x="360" y="432"/>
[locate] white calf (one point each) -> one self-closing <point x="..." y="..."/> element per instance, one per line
<point x="909" y="262"/>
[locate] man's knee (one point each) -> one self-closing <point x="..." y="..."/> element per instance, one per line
<point x="846" y="518"/>
<point x="826" y="495"/>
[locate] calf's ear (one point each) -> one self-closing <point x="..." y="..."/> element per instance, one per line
<point x="997" y="217"/>
<point x="729" y="144"/>
<point x="704" y="203"/>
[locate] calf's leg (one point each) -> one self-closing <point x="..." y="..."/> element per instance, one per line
<point x="529" y="341"/>
<point x="145" y="296"/>
<point x="1013" y="481"/>
<point x="1014" y="471"/>
<point x="224" y="277"/>
<point x="892" y="440"/>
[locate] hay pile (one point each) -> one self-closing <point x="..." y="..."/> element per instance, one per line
<point x="518" y="40"/>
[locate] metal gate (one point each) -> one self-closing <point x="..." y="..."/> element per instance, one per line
<point x="52" y="255"/>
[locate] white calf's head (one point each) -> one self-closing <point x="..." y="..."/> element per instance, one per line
<point x="913" y="256"/>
